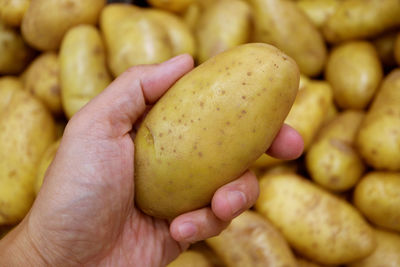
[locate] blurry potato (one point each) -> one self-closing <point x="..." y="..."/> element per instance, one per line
<point x="223" y="25"/>
<point x="171" y="5"/>
<point x="283" y="24"/>
<point x="46" y="21"/>
<point x="306" y="263"/>
<point x="204" y="249"/>
<point x="379" y="135"/>
<point x="42" y="79"/>
<point x="386" y="254"/>
<point x="318" y="11"/>
<point x="397" y="49"/>
<point x="385" y="45"/>
<point x="354" y="19"/>
<point x="12" y="11"/>
<point x="318" y="225"/>
<point x="250" y="240"/>
<point x="44" y="164"/>
<point x="132" y="38"/>
<point x="332" y="160"/>
<point x="14" y="53"/>
<point x="377" y="197"/>
<point x="8" y="86"/>
<point x="83" y="67"/>
<point x="355" y="72"/>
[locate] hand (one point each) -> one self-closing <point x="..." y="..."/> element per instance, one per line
<point x="84" y="213"/>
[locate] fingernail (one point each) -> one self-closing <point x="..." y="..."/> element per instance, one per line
<point x="237" y="200"/>
<point x="187" y="230"/>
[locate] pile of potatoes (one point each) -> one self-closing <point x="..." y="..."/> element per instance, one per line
<point x="338" y="205"/>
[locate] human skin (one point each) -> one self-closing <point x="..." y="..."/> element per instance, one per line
<point x="84" y="213"/>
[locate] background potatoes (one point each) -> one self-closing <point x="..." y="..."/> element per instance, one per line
<point x="318" y="10"/>
<point x="12" y="11"/>
<point x="171" y="5"/>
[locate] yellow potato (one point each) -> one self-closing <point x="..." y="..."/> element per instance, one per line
<point x="14" y="53"/>
<point x="397" y="49"/>
<point x="355" y="19"/>
<point x="171" y="5"/>
<point x="379" y="136"/>
<point x="265" y="161"/>
<point x="332" y="161"/>
<point x="191" y="258"/>
<point x="42" y="79"/>
<point x="12" y="11"/>
<point x="386" y="254"/>
<point x="210" y="126"/>
<point x="318" y="11"/>
<point x="46" y="21"/>
<point x="223" y="25"/>
<point x="283" y="24"/>
<point x="132" y="38"/>
<point x="318" y="225"/>
<point x="8" y="86"/>
<point x="26" y="130"/>
<point x="355" y="72"/>
<point x="44" y="164"/>
<point x="83" y="67"/>
<point x="204" y="249"/>
<point x="306" y="263"/>
<point x="377" y="197"/>
<point x="251" y="240"/>
<point x="181" y="38"/>
<point x="385" y="46"/>
<point x="192" y="15"/>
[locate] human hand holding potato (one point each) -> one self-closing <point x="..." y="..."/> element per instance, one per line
<point x="84" y="213"/>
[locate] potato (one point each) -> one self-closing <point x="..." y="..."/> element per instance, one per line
<point x="386" y="254"/>
<point x="42" y="79"/>
<point x="204" y="249"/>
<point x="14" y="53"/>
<point x="355" y="72"/>
<point x="306" y="263"/>
<point x="46" y="21"/>
<point x="332" y="161"/>
<point x="354" y="19"/>
<point x="223" y="25"/>
<point x="210" y="126"/>
<point x="377" y="197"/>
<point x="171" y="5"/>
<point x="83" y="67"/>
<point x="191" y="258"/>
<point x="385" y="45"/>
<point x="397" y="49"/>
<point x="8" y="86"/>
<point x="283" y="24"/>
<point x="318" y="225"/>
<point x="12" y="11"/>
<point x="44" y="164"/>
<point x="318" y="11"/>
<point x="26" y="130"/>
<point x="132" y="38"/>
<point x="251" y="240"/>
<point x="180" y="37"/>
<point x="379" y="136"/>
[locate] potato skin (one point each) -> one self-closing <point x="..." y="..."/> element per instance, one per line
<point x="46" y="21"/>
<point x="191" y="142"/>
<point x="12" y="11"/>
<point x="44" y="164"/>
<point x="9" y="85"/>
<point x="318" y="11"/>
<point x="379" y="136"/>
<point x="357" y="19"/>
<point x="191" y="258"/>
<point x="83" y="67"/>
<point x="251" y="240"/>
<point x="171" y="5"/>
<point x="282" y="24"/>
<point x="377" y="197"/>
<point x="355" y="72"/>
<point x="318" y="225"/>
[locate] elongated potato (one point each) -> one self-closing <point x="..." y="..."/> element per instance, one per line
<point x="223" y="25"/>
<point x="46" y="21"/>
<point x="318" y="10"/>
<point x="251" y="240"/>
<point x="355" y="19"/>
<point x="379" y="136"/>
<point x="377" y="197"/>
<point x="316" y="224"/>
<point x="283" y="24"/>
<point x="210" y="126"/>
<point x="385" y="46"/>
<point x="42" y="79"/>
<point x="12" y="11"/>
<point x="355" y="72"/>
<point x="83" y="67"/>
<point x="44" y="164"/>
<point x="386" y="254"/>
<point x="191" y="258"/>
<point x="332" y="161"/>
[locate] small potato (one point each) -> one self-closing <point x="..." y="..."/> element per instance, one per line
<point x="379" y="135"/>
<point x="306" y="263"/>
<point x="42" y="79"/>
<point x="318" y="225"/>
<point x="332" y="161"/>
<point x="14" y="53"/>
<point x="318" y="11"/>
<point x="44" y="164"/>
<point x="83" y="67"/>
<point x="46" y="21"/>
<point x="223" y="25"/>
<point x="377" y="197"/>
<point x="357" y="19"/>
<point x="355" y="72"/>
<point x="397" y="49"/>
<point x="12" y="11"/>
<point x="386" y="254"/>
<point x="282" y="24"/>
<point x="385" y="46"/>
<point x="171" y="5"/>
<point x="251" y="240"/>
